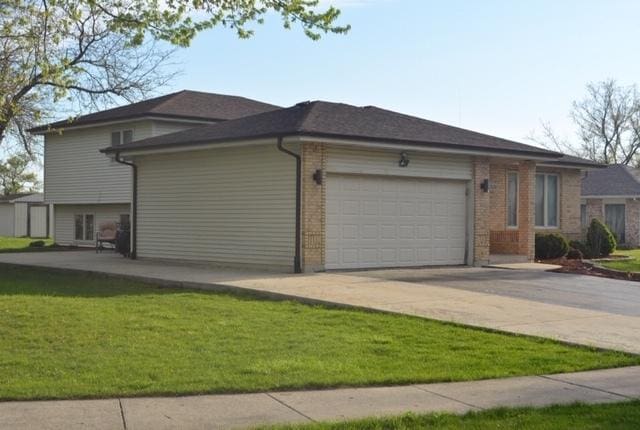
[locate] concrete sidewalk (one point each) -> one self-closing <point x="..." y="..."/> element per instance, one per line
<point x="249" y="410"/>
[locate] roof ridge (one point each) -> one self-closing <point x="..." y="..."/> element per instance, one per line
<point x="627" y="169"/>
<point x="308" y="106"/>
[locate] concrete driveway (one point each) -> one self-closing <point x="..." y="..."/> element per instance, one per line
<point x="573" y="308"/>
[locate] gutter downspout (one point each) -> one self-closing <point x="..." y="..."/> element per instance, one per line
<point x="297" y="267"/>
<point x="134" y="205"/>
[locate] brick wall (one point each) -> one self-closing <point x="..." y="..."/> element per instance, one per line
<point x="313" y="207"/>
<point x="505" y="240"/>
<point x="482" y="208"/>
<point x="632" y="222"/>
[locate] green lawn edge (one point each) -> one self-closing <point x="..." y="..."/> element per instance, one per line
<point x="621" y="415"/>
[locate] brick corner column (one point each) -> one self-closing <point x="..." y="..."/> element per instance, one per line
<point x="313" y="207"/>
<point x="481" y="212"/>
<point x="526" y="209"/>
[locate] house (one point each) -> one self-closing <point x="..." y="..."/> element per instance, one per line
<point x="612" y="195"/>
<point x="24" y="215"/>
<point x="323" y="185"/>
<point x="84" y="188"/>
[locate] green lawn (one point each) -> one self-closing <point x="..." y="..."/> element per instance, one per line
<point x="579" y="416"/>
<point x="73" y="336"/>
<point x="628" y="265"/>
<point x="21" y="244"/>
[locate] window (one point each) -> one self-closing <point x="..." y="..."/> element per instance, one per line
<point x="121" y="137"/>
<point x="614" y="217"/>
<point x="583" y="215"/>
<point x="84" y="228"/>
<point x="512" y="199"/>
<point x="546" y="200"/>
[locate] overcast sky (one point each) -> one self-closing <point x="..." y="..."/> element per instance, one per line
<point x="494" y="66"/>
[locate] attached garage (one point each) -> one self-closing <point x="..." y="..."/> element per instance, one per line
<point x="381" y="221"/>
<point x="317" y="186"/>
<point x="379" y="214"/>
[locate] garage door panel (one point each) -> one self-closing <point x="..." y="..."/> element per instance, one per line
<point x="377" y="221"/>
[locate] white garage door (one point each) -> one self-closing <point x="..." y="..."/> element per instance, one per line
<point x="379" y="221"/>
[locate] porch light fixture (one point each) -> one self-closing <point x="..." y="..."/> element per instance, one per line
<point x="404" y="159"/>
<point x="317" y="176"/>
<point x="484" y="185"/>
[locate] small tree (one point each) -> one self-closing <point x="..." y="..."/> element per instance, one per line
<point x="15" y="176"/>
<point x="600" y="241"/>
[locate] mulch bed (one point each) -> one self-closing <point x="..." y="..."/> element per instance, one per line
<point x="580" y="267"/>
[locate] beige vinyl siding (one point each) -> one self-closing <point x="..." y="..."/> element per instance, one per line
<point x="385" y="162"/>
<point x="166" y="127"/>
<point x="76" y="172"/>
<point x="227" y="205"/>
<point x="6" y="219"/>
<point x="64" y="217"/>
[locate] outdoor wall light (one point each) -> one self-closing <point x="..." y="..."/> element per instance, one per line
<point x="404" y="159"/>
<point x="484" y="185"/>
<point x="317" y="176"/>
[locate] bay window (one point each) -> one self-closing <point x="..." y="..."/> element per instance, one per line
<point x="546" y="200"/>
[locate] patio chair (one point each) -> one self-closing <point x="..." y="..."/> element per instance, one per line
<point x="107" y="233"/>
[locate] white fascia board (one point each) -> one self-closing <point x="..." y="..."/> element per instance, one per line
<point x="123" y="121"/>
<point x="415" y="147"/>
<point x="337" y="142"/>
<point x="195" y="147"/>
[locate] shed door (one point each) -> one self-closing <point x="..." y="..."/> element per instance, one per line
<point x="381" y="221"/>
<point x="38" y="221"/>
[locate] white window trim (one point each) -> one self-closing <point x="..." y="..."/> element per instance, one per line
<point x="84" y="227"/>
<point x="544" y="202"/>
<point x="516" y="225"/>
<point x="121" y="134"/>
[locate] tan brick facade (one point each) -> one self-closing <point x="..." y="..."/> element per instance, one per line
<point x="313" y="207"/>
<point x="517" y="240"/>
<point x="632" y="222"/>
<point x="482" y="211"/>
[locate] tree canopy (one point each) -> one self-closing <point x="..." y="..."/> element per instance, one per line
<point x="15" y="176"/>
<point x="89" y="52"/>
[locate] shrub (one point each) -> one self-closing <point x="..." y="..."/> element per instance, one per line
<point x="550" y="246"/>
<point x="600" y="240"/>
<point x="582" y="247"/>
<point x="574" y="254"/>
<point x="37" y="244"/>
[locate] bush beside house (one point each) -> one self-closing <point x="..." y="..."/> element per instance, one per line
<point x="600" y="241"/>
<point x="551" y="246"/>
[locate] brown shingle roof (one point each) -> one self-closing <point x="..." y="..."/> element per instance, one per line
<point x="184" y="104"/>
<point x="337" y="120"/>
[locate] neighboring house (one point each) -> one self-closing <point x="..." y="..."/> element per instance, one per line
<point x="331" y="186"/>
<point x="612" y="195"/>
<point x="84" y="188"/>
<point x="24" y="215"/>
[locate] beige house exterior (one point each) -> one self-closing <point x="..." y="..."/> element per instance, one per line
<point x="317" y="186"/>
